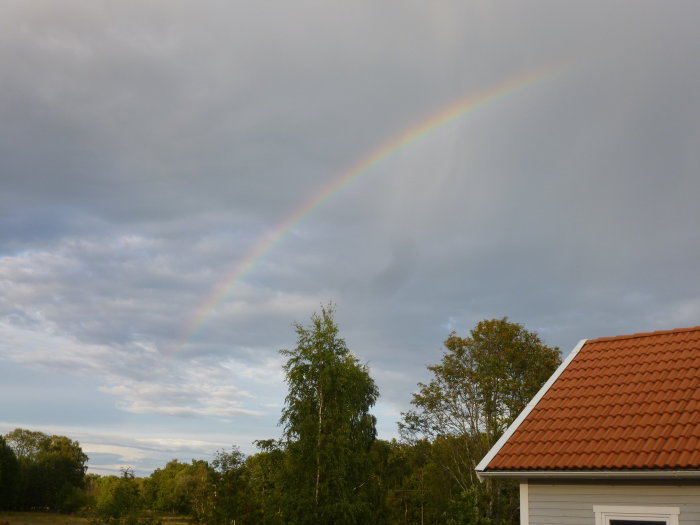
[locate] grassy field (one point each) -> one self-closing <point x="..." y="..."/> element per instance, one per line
<point x="40" y="518"/>
<point x="47" y="518"/>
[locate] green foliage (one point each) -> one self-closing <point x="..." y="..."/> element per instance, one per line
<point x="177" y="487"/>
<point x="262" y="476"/>
<point x="117" y="500"/>
<point x="419" y="489"/>
<point x="52" y="469"/>
<point x="9" y="476"/>
<point x="218" y="500"/>
<point x="480" y="386"/>
<point x="328" y="468"/>
<point x="118" y="497"/>
<point x="328" y="430"/>
<point x="71" y="498"/>
<point x="27" y="444"/>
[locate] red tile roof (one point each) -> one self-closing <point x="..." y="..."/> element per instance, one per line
<point x="630" y="402"/>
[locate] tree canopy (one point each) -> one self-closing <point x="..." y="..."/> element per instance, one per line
<point x="52" y="469"/>
<point x="479" y="387"/>
<point x="328" y="467"/>
<point x="328" y="429"/>
<point x="9" y="476"/>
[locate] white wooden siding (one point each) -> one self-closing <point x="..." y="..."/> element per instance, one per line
<point x="573" y="504"/>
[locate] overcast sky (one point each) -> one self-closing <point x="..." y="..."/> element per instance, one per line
<point x="149" y="148"/>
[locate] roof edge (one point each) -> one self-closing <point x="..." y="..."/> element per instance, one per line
<point x="483" y="464"/>
<point x="645" y="334"/>
<point x="590" y="474"/>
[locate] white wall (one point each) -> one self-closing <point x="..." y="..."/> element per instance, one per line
<point x="573" y="504"/>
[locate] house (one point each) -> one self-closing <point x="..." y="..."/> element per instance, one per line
<point x="612" y="438"/>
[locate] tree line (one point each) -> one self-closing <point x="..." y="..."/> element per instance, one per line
<point x="328" y="467"/>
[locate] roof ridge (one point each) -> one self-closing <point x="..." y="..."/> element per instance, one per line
<point x="644" y="334"/>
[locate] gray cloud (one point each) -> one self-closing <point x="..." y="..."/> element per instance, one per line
<point x="146" y="148"/>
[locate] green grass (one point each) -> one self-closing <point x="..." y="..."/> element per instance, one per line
<point x="41" y="518"/>
<point x="48" y="518"/>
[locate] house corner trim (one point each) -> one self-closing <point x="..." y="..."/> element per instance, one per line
<point x="524" y="503"/>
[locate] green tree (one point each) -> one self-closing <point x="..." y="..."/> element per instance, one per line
<point x="52" y="469"/>
<point x="216" y="492"/>
<point x="9" y="476"/>
<point x="119" y="499"/>
<point x="169" y="489"/>
<point x="26" y="443"/>
<point x="480" y="386"/>
<point x="328" y="429"/>
<point x="264" y="488"/>
<point x="418" y="491"/>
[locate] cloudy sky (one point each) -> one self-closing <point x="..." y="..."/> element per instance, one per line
<point x="182" y="181"/>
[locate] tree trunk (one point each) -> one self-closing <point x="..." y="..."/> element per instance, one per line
<point x="318" y="446"/>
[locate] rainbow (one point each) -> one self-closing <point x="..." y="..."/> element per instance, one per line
<point x="464" y="106"/>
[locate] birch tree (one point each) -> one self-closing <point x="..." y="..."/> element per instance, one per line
<point x="328" y="429"/>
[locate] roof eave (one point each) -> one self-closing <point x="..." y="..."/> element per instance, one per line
<point x="589" y="474"/>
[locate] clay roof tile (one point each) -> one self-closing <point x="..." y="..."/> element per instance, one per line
<point x="623" y="402"/>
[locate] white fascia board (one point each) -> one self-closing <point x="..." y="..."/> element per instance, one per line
<point x="526" y="411"/>
<point x="591" y="474"/>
